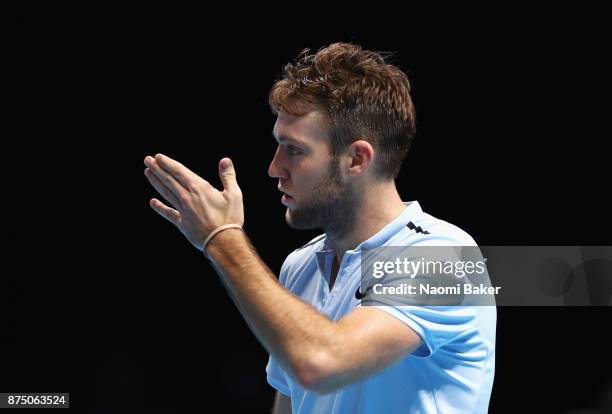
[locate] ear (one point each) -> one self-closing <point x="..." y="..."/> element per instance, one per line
<point x="361" y="155"/>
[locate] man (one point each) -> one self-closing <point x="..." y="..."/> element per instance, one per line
<point x="344" y="124"/>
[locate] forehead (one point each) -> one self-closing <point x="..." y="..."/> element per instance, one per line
<point x="309" y="128"/>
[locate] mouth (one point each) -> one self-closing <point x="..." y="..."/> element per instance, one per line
<point x="286" y="199"/>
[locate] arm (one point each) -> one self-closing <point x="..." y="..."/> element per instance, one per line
<point x="321" y="354"/>
<point x="282" y="404"/>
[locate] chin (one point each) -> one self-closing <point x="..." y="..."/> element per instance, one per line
<point x="288" y="218"/>
<point x="290" y="221"/>
<point x="297" y="224"/>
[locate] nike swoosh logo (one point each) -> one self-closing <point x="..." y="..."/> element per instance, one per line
<point x="359" y="295"/>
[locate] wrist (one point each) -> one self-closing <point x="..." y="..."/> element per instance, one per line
<point x="216" y="237"/>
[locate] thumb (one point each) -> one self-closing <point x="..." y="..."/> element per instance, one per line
<point x="228" y="174"/>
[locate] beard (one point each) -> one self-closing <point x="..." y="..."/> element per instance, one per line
<point x="331" y="205"/>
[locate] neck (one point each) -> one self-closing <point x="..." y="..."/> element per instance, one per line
<point x="379" y="205"/>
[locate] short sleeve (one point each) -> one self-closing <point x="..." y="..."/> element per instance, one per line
<point x="437" y="318"/>
<point x="436" y="325"/>
<point x="277" y="377"/>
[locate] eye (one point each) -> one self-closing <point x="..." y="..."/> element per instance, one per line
<point x="293" y="150"/>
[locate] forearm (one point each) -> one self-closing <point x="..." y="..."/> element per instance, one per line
<point x="289" y="328"/>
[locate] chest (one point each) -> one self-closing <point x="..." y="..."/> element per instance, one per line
<point x="329" y="288"/>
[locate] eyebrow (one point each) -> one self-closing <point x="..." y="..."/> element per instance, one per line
<point x="285" y="138"/>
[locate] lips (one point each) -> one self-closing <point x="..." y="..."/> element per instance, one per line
<point x="286" y="198"/>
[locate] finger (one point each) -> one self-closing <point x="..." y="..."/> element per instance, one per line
<point x="170" y="182"/>
<point x="182" y="174"/>
<point x="227" y="172"/>
<point x="162" y="189"/>
<point x="166" y="212"/>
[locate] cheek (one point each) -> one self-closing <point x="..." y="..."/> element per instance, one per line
<point x="306" y="181"/>
<point x="308" y="173"/>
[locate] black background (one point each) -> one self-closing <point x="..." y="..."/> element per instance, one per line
<point x="104" y="299"/>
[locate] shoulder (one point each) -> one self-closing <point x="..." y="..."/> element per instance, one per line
<point x="427" y="230"/>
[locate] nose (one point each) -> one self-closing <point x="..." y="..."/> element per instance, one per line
<point x="276" y="169"/>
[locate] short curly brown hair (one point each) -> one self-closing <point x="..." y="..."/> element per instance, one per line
<point x="363" y="96"/>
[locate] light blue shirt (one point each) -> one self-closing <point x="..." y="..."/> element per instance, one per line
<point x="451" y="372"/>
